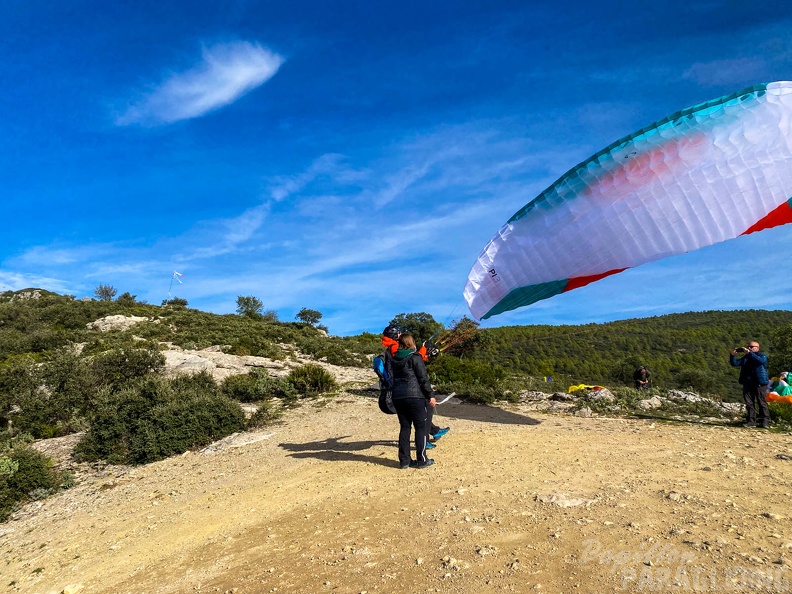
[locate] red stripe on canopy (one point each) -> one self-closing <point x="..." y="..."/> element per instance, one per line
<point x="582" y="281"/>
<point x="780" y="216"/>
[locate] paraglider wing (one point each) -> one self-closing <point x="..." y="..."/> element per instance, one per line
<point x="706" y="174"/>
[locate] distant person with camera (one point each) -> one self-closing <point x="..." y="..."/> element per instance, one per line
<point x="642" y="377"/>
<point x="754" y="380"/>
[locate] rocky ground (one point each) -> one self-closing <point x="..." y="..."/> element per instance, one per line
<point x="518" y="501"/>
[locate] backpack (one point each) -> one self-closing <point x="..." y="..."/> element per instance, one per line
<point x="384" y="371"/>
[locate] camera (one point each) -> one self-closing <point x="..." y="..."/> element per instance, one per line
<point x="741" y="350"/>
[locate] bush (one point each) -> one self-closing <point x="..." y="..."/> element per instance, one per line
<point x="255" y="345"/>
<point x="695" y="380"/>
<point x="781" y="413"/>
<point x="257" y="385"/>
<point x="473" y="379"/>
<point x="265" y="414"/>
<point x="127" y="299"/>
<point x="176" y="303"/>
<point x="156" y="417"/>
<point x="118" y="366"/>
<point x="51" y="397"/>
<point x="311" y="379"/>
<point x="17" y="381"/>
<point x="24" y="474"/>
<point x="334" y="350"/>
<point x="246" y="387"/>
<point x="182" y="423"/>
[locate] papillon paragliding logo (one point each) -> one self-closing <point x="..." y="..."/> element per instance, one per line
<point x="706" y="174"/>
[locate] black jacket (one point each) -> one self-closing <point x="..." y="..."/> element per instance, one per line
<point x="410" y="379"/>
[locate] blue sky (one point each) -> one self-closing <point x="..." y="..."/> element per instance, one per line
<point x="351" y="157"/>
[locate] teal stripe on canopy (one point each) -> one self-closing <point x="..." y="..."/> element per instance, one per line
<point x="527" y="295"/>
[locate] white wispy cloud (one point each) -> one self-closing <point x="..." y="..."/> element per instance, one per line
<point x="59" y="255"/>
<point x="330" y="165"/>
<point x="219" y="237"/>
<point x="226" y="72"/>
<point x="15" y="281"/>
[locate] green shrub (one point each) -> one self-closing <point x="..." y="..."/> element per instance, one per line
<point x="256" y="346"/>
<point x="257" y="385"/>
<point x="781" y="413"/>
<point x="451" y="369"/>
<point x="696" y="380"/>
<point x="183" y="423"/>
<point x="17" y="381"/>
<point x="120" y="365"/>
<point x="311" y="379"/>
<point x="8" y="466"/>
<point x="282" y="388"/>
<point x="52" y="398"/>
<point x="336" y="351"/>
<point x="265" y="414"/>
<point x="46" y="399"/>
<point x="127" y="299"/>
<point x="246" y="387"/>
<point x="157" y="417"/>
<point x="25" y="474"/>
<point x="475" y="380"/>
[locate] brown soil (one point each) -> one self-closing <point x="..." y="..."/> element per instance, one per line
<point x="517" y="501"/>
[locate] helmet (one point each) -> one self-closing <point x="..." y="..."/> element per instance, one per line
<point x="392" y="332"/>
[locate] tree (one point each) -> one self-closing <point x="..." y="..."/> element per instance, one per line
<point x="175" y="302"/>
<point x="781" y="359"/>
<point x="127" y="299"/>
<point x="463" y="337"/>
<point x="249" y="306"/>
<point x="421" y="325"/>
<point x="105" y="292"/>
<point x="309" y="316"/>
<point x="270" y="316"/>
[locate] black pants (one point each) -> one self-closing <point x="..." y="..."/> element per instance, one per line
<point x="412" y="413"/>
<point x="431" y="428"/>
<point x="756" y="398"/>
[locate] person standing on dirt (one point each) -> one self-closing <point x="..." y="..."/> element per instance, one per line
<point x="754" y="380"/>
<point x="390" y="340"/>
<point x="412" y="394"/>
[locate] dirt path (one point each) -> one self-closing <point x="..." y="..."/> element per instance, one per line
<point x="517" y="502"/>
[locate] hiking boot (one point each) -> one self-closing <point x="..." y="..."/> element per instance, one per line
<point x="430" y="445"/>
<point x="426" y="464"/>
<point x="408" y="465"/>
<point x="440" y="433"/>
<point x="749" y="424"/>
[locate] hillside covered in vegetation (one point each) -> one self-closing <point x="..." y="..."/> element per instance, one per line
<point x="689" y="350"/>
<point x="64" y="371"/>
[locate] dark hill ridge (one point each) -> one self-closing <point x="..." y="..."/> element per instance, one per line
<point x="682" y="350"/>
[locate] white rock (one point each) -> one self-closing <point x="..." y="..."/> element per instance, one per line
<point x="118" y="322"/>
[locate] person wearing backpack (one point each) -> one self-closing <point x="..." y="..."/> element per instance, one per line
<point x="412" y="394"/>
<point x="390" y="340"/>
